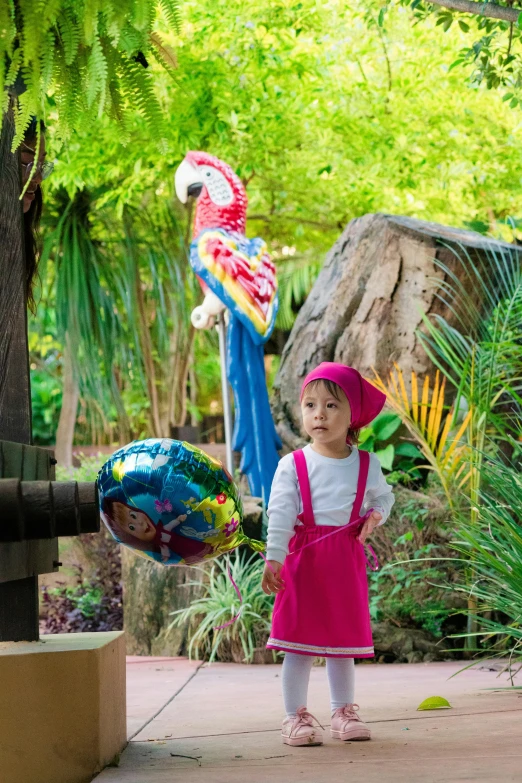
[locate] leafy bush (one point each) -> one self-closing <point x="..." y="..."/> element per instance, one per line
<point x="244" y="640"/>
<point x="411" y="587"/>
<point x="397" y="459"/>
<point x="493" y="547"/>
<point x="94" y="602"/>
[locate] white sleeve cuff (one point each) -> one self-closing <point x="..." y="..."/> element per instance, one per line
<point x="278" y="555"/>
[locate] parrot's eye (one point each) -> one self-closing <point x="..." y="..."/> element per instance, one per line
<point x="218" y="187"/>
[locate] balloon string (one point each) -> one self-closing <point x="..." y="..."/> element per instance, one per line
<point x="372" y="566"/>
<point x="236" y="588"/>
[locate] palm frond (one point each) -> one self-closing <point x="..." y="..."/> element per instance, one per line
<point x="296" y="278"/>
<point x="441" y="444"/>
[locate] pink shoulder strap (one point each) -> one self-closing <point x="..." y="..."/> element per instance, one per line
<point x="307" y="517"/>
<point x="364" y="466"/>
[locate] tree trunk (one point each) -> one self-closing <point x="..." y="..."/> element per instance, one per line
<point x="148" y="358"/>
<point x="150" y="593"/>
<point x="67" y="422"/>
<point x="367" y="304"/>
<point x="15" y="391"/>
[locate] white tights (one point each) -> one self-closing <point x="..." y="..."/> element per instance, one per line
<point x="296" y="675"/>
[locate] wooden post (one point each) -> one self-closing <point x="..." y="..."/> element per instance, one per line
<point x="19" y="598"/>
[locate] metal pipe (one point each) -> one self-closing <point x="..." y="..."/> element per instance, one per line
<point x="227" y="413"/>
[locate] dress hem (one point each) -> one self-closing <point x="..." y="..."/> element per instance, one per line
<point x="320" y="652"/>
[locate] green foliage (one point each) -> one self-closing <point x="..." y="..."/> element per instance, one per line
<point x="411" y="587"/>
<point x="491" y="48"/>
<point x="88" y="470"/>
<point x="219" y="604"/>
<point x="78" y="60"/>
<point x="46" y="402"/>
<point x="494" y="547"/>
<point x="248" y="75"/>
<point x="120" y="290"/>
<point x="297" y="98"/>
<point x="481" y="355"/>
<point x="398" y="457"/>
<point x="84" y="308"/>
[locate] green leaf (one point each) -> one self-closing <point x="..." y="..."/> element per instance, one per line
<point x="463" y="26"/>
<point x="386" y="456"/>
<point x="368" y="444"/>
<point x="434" y="703"/>
<point x="408" y="450"/>
<point x="365" y="434"/>
<point x="385" y="425"/>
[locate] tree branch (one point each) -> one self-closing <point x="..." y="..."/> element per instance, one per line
<point x="491" y="10"/>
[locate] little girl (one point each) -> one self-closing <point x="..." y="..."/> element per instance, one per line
<point x="319" y="573"/>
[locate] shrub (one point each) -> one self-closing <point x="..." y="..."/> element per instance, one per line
<point x="94" y="602"/>
<point x="411" y="587"/>
<point x="244" y="640"/>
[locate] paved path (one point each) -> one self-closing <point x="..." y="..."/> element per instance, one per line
<point x="220" y="724"/>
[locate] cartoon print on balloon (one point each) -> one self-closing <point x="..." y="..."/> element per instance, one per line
<point x="136" y="528"/>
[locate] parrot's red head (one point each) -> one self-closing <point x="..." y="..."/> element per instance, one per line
<point x="222" y="199"/>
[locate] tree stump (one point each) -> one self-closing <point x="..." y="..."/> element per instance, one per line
<point x="150" y="593"/>
<point x="367" y="304"/>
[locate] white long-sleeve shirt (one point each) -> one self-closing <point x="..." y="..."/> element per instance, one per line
<point x="333" y="486"/>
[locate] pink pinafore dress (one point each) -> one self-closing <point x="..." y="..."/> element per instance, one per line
<point x="324" y="609"/>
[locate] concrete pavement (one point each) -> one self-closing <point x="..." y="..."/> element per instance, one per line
<point x="220" y="724"/>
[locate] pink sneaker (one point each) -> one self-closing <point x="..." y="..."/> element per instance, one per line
<point x="347" y="726"/>
<point x="301" y="730"/>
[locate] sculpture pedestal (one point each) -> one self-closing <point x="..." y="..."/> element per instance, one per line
<point x="62" y="707"/>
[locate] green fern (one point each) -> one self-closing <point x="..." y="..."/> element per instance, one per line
<point x="171" y="13"/>
<point x="69" y="35"/>
<point x="83" y="52"/>
<point x="97" y="74"/>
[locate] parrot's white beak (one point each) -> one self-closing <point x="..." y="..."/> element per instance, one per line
<point x="187" y="181"/>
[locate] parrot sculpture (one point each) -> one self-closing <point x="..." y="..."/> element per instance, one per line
<point x="238" y="276"/>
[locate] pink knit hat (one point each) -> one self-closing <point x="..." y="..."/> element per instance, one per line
<point x="365" y="400"/>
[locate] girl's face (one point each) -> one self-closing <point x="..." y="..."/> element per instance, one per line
<point x="326" y="419"/>
<point x="134" y="522"/>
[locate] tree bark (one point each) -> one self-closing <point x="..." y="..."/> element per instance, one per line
<point x="366" y="306"/>
<point x="491" y="10"/>
<point x="15" y="391"/>
<point x="67" y="421"/>
<point x="150" y="593"/>
<point x="148" y="358"/>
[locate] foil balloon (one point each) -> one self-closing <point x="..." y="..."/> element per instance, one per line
<point x="171" y="502"/>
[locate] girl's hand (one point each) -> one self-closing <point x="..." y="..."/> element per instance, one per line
<point x="272" y="582"/>
<point x="369" y="526"/>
